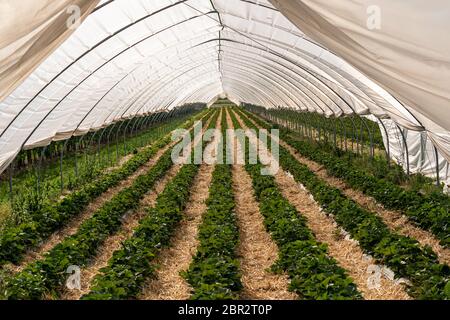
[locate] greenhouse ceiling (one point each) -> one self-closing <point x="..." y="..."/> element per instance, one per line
<point x="61" y="78"/>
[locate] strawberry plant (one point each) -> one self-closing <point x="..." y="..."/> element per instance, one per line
<point x="49" y="217"/>
<point x="45" y="276"/>
<point x="214" y="271"/>
<point x="48" y="274"/>
<point x="429" y="279"/>
<point x="428" y="211"/>
<point x="130" y="266"/>
<point x="314" y="275"/>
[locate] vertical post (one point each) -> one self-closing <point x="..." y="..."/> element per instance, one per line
<point x="61" y="155"/>
<point x="354" y="133"/>
<point x="11" y="168"/>
<point x="117" y="140"/>
<point x="388" y="155"/>
<point x="100" y="159"/>
<point x="345" y="135"/>
<point x="76" y="159"/>
<point x="334" y="133"/>
<point x="438" y="182"/>
<point x="360" y="144"/>
<point x="406" y="148"/>
<point x="39" y="170"/>
<point x="369" y="131"/>
<point x="108" y="157"/>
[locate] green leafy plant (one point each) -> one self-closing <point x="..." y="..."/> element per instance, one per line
<point x="214" y="272"/>
<point x="404" y="255"/>
<point x="48" y="274"/>
<point x="45" y="217"/>
<point x="313" y="273"/>
<point x="133" y="263"/>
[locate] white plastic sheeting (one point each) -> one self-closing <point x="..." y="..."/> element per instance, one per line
<point x="130" y="58"/>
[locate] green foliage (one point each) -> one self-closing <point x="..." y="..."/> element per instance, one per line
<point x="404" y="255"/>
<point x="428" y="210"/>
<point x="134" y="262"/>
<point x="314" y="275"/>
<point x="46" y="275"/>
<point x="131" y="265"/>
<point x="214" y="271"/>
<point x="45" y="217"/>
<point x="327" y="126"/>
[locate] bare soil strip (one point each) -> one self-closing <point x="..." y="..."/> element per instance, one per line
<point x="393" y="219"/>
<point x="168" y="284"/>
<point x="346" y="251"/>
<point x="113" y="243"/>
<point x="256" y="250"/>
<point x="72" y="227"/>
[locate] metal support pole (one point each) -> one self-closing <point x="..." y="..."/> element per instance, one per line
<point x="61" y="156"/>
<point x="334" y="133"/>
<point x="438" y="182"/>
<point x="372" y="150"/>
<point x="108" y="157"/>
<point x="354" y="131"/>
<point x="388" y="154"/>
<point x="39" y="169"/>
<point x="117" y="140"/>
<point x="125" y="136"/>
<point x="406" y="148"/>
<point x="89" y="147"/>
<point x="11" y="169"/>
<point x="345" y="134"/>
<point x="360" y="138"/>
<point x="98" y="146"/>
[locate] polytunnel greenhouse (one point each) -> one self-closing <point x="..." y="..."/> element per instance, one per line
<point x="224" y="150"/>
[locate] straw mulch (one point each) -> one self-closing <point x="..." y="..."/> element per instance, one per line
<point x="113" y="243"/>
<point x="168" y="284"/>
<point x="345" y="250"/>
<point x="257" y="252"/>
<point x="72" y="227"/>
<point x="393" y="219"/>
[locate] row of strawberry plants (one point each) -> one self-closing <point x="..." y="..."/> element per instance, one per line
<point x="214" y="271"/>
<point x="430" y="212"/>
<point x="47" y="275"/>
<point x="429" y="279"/>
<point x="130" y="266"/>
<point x="90" y="164"/>
<point x="48" y="218"/>
<point x="314" y="275"/>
